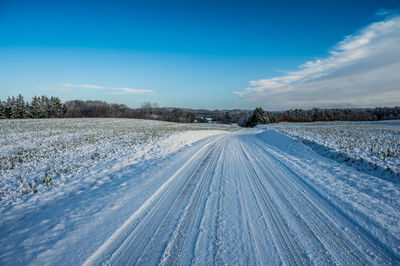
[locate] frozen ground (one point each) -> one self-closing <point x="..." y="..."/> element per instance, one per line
<point x="250" y="197"/>
<point x="371" y="145"/>
<point x="38" y="155"/>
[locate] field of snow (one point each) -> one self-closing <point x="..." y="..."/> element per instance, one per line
<point x="206" y="197"/>
<point x="38" y="154"/>
<point x="375" y="143"/>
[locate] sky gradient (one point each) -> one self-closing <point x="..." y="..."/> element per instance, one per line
<point x="203" y="54"/>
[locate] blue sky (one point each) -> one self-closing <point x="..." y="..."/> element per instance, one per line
<point x="201" y="54"/>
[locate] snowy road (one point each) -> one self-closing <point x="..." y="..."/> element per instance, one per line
<point x="252" y="197"/>
<point x="234" y="201"/>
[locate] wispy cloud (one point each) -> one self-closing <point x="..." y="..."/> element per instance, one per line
<point x="383" y="12"/>
<point x="112" y="90"/>
<point x="88" y="86"/>
<point x="119" y="91"/>
<point x="362" y="70"/>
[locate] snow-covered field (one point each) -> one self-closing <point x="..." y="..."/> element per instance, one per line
<point x="376" y="143"/>
<point x="205" y="197"/>
<point x="38" y="154"/>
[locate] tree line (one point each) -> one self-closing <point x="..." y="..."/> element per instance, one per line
<point x="53" y="107"/>
<point x="259" y="116"/>
<point x="39" y="107"/>
<point x="348" y="114"/>
<point x="152" y="111"/>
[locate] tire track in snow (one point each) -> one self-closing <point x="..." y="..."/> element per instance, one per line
<point x="289" y="250"/>
<point x="192" y="216"/>
<point x="153" y="243"/>
<point x="236" y="249"/>
<point x="209" y="237"/>
<point x="341" y="249"/>
<point x="253" y="253"/>
<point x="357" y="220"/>
<point x="318" y="214"/>
<point x="368" y="244"/>
<point x="217" y="235"/>
<point x="130" y="240"/>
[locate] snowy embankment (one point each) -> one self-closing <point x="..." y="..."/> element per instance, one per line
<point x="370" y="146"/>
<point x="41" y="155"/>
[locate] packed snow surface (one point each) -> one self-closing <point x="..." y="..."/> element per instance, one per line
<point x="249" y="197"/>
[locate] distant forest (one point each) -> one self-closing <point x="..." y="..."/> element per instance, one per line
<point x="53" y="107"/>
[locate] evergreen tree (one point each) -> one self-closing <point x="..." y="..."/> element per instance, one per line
<point x="2" y="110"/>
<point x="20" y="107"/>
<point x="55" y="107"/>
<point x="11" y="108"/>
<point x="227" y="119"/>
<point x="44" y="107"/>
<point x="258" y="117"/>
<point x="34" y="108"/>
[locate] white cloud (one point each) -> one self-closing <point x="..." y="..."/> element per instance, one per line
<point x="120" y="91"/>
<point x="362" y="70"/>
<point x="88" y="86"/>
<point x="113" y="90"/>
